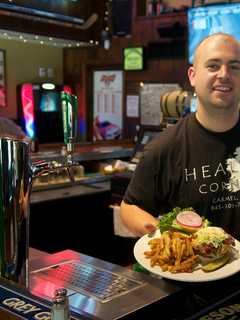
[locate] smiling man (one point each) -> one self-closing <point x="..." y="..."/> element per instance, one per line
<point x="195" y="163"/>
<point x="215" y="74"/>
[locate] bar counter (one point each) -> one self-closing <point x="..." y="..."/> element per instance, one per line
<point x="87" y="151"/>
<point x="145" y="296"/>
<point x="142" y="296"/>
<point x="106" y="291"/>
<point x="71" y="206"/>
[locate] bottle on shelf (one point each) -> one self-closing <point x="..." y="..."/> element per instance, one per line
<point x="154" y="7"/>
<point x="149" y="7"/>
<point x="159" y="7"/>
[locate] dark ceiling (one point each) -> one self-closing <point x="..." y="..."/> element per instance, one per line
<point x="91" y="11"/>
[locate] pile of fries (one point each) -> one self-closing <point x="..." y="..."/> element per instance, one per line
<point x="173" y="252"/>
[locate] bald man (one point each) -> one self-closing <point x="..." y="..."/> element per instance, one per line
<point x="195" y="163"/>
<point x="215" y="77"/>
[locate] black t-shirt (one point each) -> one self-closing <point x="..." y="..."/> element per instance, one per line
<point x="189" y="166"/>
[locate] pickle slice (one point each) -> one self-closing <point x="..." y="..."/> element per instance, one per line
<point x="216" y="264"/>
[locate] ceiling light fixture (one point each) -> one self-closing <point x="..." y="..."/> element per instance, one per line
<point x="48" y="86"/>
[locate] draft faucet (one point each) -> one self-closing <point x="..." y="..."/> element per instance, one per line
<point x="16" y="176"/>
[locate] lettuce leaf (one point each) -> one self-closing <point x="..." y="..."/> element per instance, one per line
<point x="166" y="221"/>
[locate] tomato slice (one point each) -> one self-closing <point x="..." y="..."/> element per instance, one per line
<point x="189" y="219"/>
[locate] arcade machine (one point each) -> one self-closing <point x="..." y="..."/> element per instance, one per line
<point x="40" y="112"/>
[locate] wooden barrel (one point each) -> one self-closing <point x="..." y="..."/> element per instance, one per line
<point x="173" y="103"/>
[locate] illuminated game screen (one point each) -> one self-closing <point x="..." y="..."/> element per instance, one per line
<point x="40" y="111"/>
<point x="49" y="101"/>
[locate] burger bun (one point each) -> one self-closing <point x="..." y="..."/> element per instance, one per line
<point x="188" y="221"/>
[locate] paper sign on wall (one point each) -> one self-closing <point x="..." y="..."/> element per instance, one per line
<point x="132" y="106"/>
<point x="107" y="113"/>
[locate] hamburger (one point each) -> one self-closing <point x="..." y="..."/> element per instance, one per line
<point x="214" y="247"/>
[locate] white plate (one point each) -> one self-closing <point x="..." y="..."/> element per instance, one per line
<point x="196" y="276"/>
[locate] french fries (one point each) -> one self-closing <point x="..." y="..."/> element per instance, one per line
<point x="173" y="252"/>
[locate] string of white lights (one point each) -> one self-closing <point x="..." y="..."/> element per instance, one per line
<point x="43" y="40"/>
<point x="106" y="32"/>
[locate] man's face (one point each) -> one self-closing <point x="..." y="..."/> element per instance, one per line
<point x="216" y="74"/>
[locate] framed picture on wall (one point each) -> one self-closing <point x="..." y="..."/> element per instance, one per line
<point x="107" y="104"/>
<point x="3" y="89"/>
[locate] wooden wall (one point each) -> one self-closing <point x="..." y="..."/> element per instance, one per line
<point x="17" y="21"/>
<point x="169" y="67"/>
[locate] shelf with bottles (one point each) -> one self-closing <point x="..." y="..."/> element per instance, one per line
<point x="163" y="28"/>
<point x="156" y="8"/>
<point x="148" y="8"/>
<point x="157" y="26"/>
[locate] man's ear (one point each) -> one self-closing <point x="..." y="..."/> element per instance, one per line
<point x="191" y="76"/>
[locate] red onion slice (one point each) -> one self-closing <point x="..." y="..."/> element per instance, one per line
<point x="189" y="219"/>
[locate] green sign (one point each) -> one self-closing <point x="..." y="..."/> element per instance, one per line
<point x="133" y="58"/>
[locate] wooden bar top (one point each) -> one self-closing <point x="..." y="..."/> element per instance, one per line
<point x="89" y="146"/>
<point x="87" y="151"/>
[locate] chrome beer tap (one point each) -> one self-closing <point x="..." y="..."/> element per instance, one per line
<point x="16" y="176"/>
<point x="15" y="187"/>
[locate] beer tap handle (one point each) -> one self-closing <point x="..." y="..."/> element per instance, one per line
<point x="69" y="115"/>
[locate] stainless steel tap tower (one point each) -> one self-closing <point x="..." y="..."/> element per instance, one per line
<point x="16" y="175"/>
<point x="15" y="187"/>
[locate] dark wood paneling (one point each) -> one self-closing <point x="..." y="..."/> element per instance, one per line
<point x="169" y="67"/>
<point x="35" y="27"/>
<point x="146" y="28"/>
<point x="30" y="24"/>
